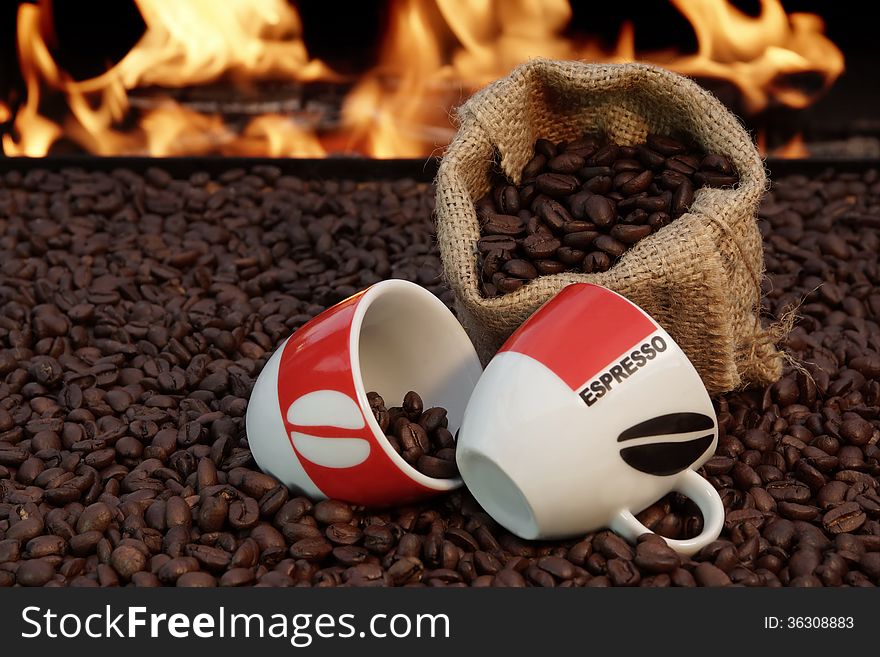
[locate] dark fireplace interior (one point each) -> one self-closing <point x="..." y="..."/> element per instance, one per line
<point x="85" y="41"/>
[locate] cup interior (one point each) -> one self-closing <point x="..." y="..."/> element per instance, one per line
<point x="500" y="496"/>
<point x="404" y="338"/>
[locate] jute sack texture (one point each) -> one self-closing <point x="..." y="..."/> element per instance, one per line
<point x="699" y="277"/>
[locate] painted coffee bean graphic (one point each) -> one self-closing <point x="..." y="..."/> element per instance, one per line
<point x="666" y="457"/>
<point x="325" y="412"/>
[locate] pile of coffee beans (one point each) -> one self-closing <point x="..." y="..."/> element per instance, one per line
<point x="136" y="311"/>
<point x="418" y="434"/>
<point x="582" y="204"/>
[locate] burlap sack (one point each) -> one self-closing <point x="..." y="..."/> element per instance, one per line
<point x="699" y="277"/>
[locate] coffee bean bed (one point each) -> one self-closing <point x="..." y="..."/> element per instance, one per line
<point x="136" y="311"/>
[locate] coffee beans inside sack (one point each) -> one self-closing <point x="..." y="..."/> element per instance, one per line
<point x="699" y="275"/>
<point x="582" y="204"/>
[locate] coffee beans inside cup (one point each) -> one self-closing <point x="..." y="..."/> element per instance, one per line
<point x="582" y="204"/>
<point x="420" y="435"/>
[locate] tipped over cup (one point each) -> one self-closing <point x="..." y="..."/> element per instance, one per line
<point x="588" y="414"/>
<point x="309" y="421"/>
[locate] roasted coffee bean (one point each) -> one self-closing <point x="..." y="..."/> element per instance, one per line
<point x="570" y="256"/>
<point x="378" y="538"/>
<point x="26" y="529"/>
<point x="436" y="467"/>
<point x="375" y="400"/>
<point x="196" y="580"/>
<point x="534" y="166"/>
<point x="557" y="184"/>
<point x="96" y="517"/>
<point x="847" y="517"/>
<point x="496" y="243"/>
<point x="707" y="574"/>
<point x="413" y="405"/>
<point x="330" y="511"/>
<point x="557" y="566"/>
<point x="650" y="158"/>
<point x="521" y="269"/>
<point x="548" y="267"/>
<point x="623" y="573"/>
<point x="656" y="557"/>
<point x="682" y="198"/>
<point x="273" y="500"/>
<point x="590" y="172"/>
<point x="237" y="577"/>
<point x="45" y="546"/>
<point x="350" y="555"/>
<point x="600" y="210"/>
<point x="609" y="245"/>
<point x="509" y="579"/>
<point x="605" y="156"/>
<point x="267" y="537"/>
<point x="719" y="163"/>
<point x="211" y="558"/>
<point x="578" y="226"/>
<point x="554" y="214"/>
<point x="343" y="534"/>
<point x="295" y="531"/>
<point x="502" y="224"/>
<point x="637" y="184"/>
<point x="664" y="145"/>
<point x="540" y="246"/>
<point x="629" y="234"/>
<point x="856" y="430"/>
<point x="312" y="549"/>
<point x="580" y="241"/>
<point x="599" y="185"/>
<point x="127" y="560"/>
<point x="433" y="420"/>
<point x="566" y="162"/>
<point x="35" y="572"/>
<point x="635" y="218"/>
<point x="243" y="513"/>
<point x="177" y="512"/>
<point x="508" y="284"/>
<point x="596" y="261"/>
<point x="413" y="441"/>
<point x="612" y="546"/>
<point x="174" y="568"/>
<point x="509" y="200"/>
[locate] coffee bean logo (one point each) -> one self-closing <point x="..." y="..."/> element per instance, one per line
<point x="662" y="458"/>
<point x="327" y="412"/>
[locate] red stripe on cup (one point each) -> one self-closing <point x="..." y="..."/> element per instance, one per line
<point x="357" y="474"/>
<point x="579" y="331"/>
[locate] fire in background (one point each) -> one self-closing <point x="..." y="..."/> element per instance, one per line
<point x="236" y="78"/>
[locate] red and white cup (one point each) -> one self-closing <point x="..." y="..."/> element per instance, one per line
<point x="309" y="422"/>
<point x="588" y="414"/>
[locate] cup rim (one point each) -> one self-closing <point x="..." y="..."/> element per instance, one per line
<point x="428" y="301"/>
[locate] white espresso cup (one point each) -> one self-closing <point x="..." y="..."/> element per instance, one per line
<point x="588" y="414"/>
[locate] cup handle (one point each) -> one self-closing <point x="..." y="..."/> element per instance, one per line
<point x="693" y="486"/>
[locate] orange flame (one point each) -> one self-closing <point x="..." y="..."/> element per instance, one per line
<point x="758" y="53"/>
<point x="435" y="53"/>
<point x="793" y="148"/>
